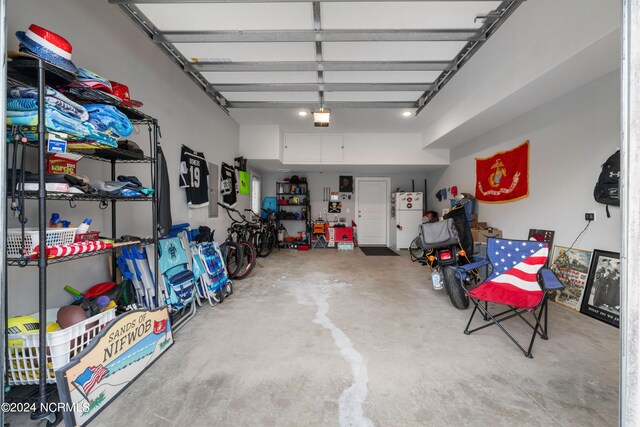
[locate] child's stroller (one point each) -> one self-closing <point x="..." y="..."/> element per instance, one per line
<point x="214" y="284"/>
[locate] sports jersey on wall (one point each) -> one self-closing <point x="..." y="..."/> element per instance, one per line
<point x="194" y="177"/>
<point x="228" y="184"/>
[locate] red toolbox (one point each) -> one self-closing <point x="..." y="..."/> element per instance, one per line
<point x="343" y="234"/>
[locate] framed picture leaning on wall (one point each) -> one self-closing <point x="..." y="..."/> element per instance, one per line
<point x="602" y="292"/>
<point x="571" y="267"/>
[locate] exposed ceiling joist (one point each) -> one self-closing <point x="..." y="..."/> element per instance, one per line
<point x="325" y="65"/>
<point x="317" y="36"/>
<point x="331" y="105"/>
<point x="174" y="42"/>
<point x="145" y="25"/>
<point x="317" y="26"/>
<point x="325" y="87"/>
<point x="275" y="1"/>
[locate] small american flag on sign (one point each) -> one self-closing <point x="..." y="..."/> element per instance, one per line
<point x="90" y="377"/>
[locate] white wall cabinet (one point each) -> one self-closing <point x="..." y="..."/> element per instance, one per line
<point x="332" y="148"/>
<point x="313" y="148"/>
<point x="302" y="147"/>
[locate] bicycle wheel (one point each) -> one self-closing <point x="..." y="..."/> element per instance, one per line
<point x="233" y="258"/>
<point x="269" y="243"/>
<point x="248" y="260"/>
<point x="260" y="241"/>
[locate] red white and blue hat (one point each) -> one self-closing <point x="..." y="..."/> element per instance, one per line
<point x="49" y="46"/>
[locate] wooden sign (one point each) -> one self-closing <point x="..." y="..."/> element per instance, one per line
<point x="116" y="357"/>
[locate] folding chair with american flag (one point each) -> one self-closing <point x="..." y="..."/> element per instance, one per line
<point x="518" y="281"/>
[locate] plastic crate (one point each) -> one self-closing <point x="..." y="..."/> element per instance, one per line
<point x="55" y="236"/>
<point x="22" y="363"/>
<point x="345" y="246"/>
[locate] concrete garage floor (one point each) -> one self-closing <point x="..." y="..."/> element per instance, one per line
<point x="339" y="338"/>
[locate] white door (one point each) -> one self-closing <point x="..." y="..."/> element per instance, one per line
<point x="372" y="205"/>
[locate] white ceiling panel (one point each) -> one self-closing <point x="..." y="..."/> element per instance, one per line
<point x="380" y="76"/>
<point x="224" y="16"/>
<point x="371" y="96"/>
<point x="262" y="77"/>
<point x="241" y="52"/>
<point x="391" y="51"/>
<point x="272" y="96"/>
<point x="404" y="15"/>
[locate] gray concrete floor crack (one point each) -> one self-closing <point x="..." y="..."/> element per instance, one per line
<point x="351" y="413"/>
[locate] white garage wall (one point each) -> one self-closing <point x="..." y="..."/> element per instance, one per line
<point x="570" y="138"/>
<point x="105" y="41"/>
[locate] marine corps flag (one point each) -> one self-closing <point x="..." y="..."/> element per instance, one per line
<point x="503" y="177"/>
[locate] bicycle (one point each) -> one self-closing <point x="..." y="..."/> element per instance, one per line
<point x="265" y="237"/>
<point x="237" y="233"/>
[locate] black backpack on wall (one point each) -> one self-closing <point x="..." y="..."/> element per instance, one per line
<point x="607" y="187"/>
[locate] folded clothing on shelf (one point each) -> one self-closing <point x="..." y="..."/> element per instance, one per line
<point x="93" y="80"/>
<point x="134" y="187"/>
<point x="22" y="98"/>
<point x="108" y="119"/>
<point x="55" y="182"/>
<point x="115" y="188"/>
<point x="131" y="181"/>
<point x="94" y="134"/>
<point x="108" y="187"/>
<point x="55" y="120"/>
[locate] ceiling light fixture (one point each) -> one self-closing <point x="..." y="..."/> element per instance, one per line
<point x="406" y="113"/>
<point x="321" y="117"/>
<point x="302" y="113"/>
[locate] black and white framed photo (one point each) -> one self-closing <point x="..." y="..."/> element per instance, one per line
<point x="602" y="292"/>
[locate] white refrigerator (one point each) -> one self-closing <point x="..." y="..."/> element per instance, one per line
<point x="407" y="217"/>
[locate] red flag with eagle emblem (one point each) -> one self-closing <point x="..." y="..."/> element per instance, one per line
<point x="503" y="177"/>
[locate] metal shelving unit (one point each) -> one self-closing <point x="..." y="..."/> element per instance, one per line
<point x="284" y="192"/>
<point x="71" y="197"/>
<point x="37" y="74"/>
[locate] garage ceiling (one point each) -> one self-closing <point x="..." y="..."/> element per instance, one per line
<point x="311" y="54"/>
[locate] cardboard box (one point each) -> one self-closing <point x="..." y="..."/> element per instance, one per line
<point x="481" y="235"/>
<point x="481" y="225"/>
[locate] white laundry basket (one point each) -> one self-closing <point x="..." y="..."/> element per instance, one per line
<point x="55" y="236"/>
<point x="62" y="345"/>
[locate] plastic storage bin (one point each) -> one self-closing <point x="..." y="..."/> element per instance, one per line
<point x="55" y="236"/>
<point x="23" y="357"/>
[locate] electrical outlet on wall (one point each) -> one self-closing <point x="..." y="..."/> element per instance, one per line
<point x="348" y="210"/>
<point x="190" y="214"/>
<point x="590" y="216"/>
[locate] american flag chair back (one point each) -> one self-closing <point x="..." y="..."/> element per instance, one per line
<point x="519" y="281"/>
